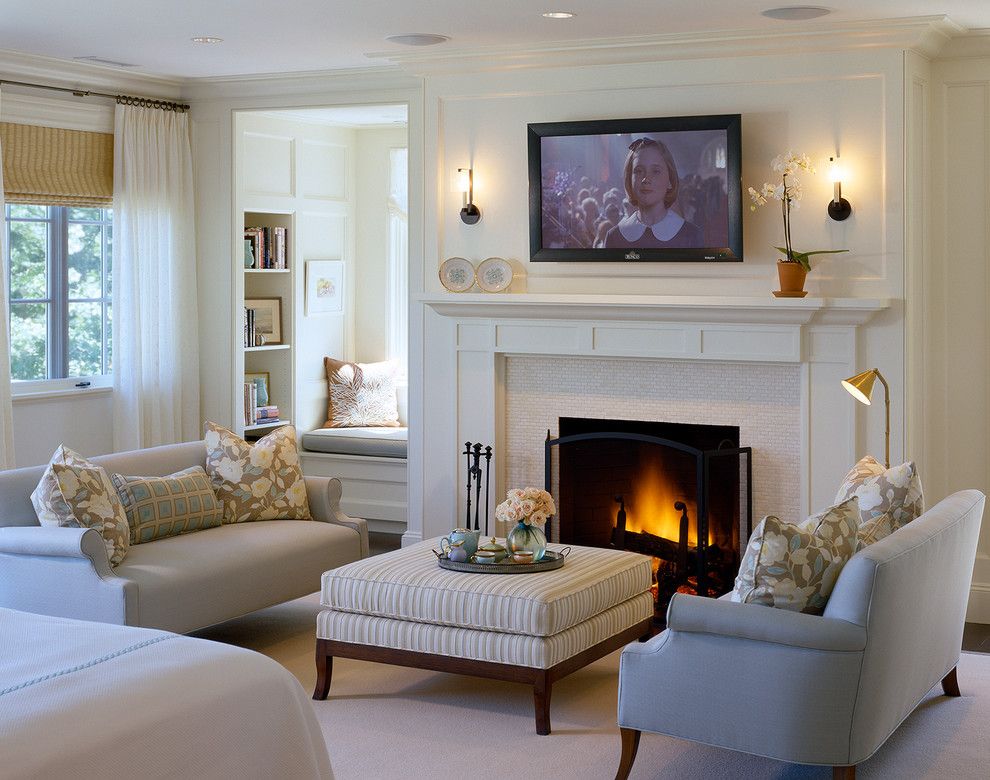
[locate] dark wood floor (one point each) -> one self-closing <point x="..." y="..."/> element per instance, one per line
<point x="976" y="637"/>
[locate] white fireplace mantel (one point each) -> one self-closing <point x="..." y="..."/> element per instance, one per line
<point x="468" y="337"/>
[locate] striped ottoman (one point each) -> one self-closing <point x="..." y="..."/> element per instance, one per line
<point x="401" y="608"/>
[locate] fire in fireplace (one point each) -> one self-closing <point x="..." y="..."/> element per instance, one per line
<point x="679" y="493"/>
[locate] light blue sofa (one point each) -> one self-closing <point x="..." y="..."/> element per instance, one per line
<point x="805" y="688"/>
<point x="181" y="583"/>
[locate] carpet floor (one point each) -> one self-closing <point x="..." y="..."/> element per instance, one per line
<point x="391" y="722"/>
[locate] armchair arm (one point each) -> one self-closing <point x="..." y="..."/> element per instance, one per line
<point x="763" y="624"/>
<point x="63" y="572"/>
<point x="324" y="504"/>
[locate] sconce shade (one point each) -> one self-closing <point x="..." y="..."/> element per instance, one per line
<point x="860" y="386"/>
<point x="838" y="208"/>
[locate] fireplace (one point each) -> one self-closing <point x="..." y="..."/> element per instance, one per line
<point x="679" y="493"/>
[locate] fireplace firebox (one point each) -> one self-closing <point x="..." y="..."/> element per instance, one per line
<point x="679" y="493"/>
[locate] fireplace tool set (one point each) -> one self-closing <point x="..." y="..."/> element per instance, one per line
<point x="475" y="473"/>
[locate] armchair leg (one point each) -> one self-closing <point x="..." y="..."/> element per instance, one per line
<point x="950" y="683"/>
<point x="844" y="772"/>
<point x="630" y="744"/>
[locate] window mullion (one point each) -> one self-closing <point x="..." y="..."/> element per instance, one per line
<point x="59" y="348"/>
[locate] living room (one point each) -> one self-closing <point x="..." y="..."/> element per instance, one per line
<point x="893" y="93"/>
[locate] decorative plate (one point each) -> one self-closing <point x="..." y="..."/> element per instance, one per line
<point x="457" y="274"/>
<point x="494" y="275"/>
<point x="551" y="560"/>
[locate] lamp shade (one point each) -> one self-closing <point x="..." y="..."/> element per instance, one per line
<point x="860" y="386"/>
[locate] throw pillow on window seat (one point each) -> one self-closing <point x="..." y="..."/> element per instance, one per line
<point x="361" y="394"/>
<point x="888" y="498"/>
<point x="795" y="566"/>
<point x="90" y="494"/>
<point x="159" y="507"/>
<point x="256" y="481"/>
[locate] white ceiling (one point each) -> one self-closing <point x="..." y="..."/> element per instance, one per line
<point x="261" y="36"/>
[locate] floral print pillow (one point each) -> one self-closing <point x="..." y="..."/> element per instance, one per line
<point x="259" y="481"/>
<point x="795" y="567"/>
<point x="895" y="491"/>
<point x="90" y="494"/>
<point x="47" y="498"/>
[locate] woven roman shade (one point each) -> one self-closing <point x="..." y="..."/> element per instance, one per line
<point x="56" y="167"/>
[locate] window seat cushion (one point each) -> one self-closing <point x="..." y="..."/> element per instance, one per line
<point x="377" y="442"/>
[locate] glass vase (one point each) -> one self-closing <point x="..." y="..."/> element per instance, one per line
<point x="527" y="537"/>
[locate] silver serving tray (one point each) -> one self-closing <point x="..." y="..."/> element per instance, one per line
<point x="551" y="560"/>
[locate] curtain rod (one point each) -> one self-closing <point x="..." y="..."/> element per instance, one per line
<point x="129" y="100"/>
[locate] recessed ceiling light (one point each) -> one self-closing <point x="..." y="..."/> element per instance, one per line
<point x="207" y="39"/>
<point x="559" y="15"/>
<point x="418" y="39"/>
<point x="796" y="13"/>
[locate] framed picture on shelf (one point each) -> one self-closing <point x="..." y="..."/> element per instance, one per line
<point x="267" y="318"/>
<point x="324" y="287"/>
<point x="264" y="382"/>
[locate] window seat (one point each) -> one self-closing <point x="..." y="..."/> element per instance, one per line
<point x="376" y="442"/>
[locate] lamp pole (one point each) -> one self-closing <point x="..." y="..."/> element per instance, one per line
<point x="886" y="401"/>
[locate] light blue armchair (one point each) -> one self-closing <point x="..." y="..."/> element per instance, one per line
<point x="807" y="689"/>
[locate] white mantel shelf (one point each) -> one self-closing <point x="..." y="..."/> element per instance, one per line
<point x="657" y="308"/>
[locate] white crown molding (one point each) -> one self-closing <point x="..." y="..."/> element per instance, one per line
<point x="924" y="34"/>
<point x="300" y="84"/>
<point x="975" y="44"/>
<point x="17" y="66"/>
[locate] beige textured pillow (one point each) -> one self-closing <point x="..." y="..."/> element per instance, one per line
<point x="259" y="481"/>
<point x="795" y="567"/>
<point x="361" y="394"/>
<point x="90" y="495"/>
<point x="896" y="492"/>
<point x="158" y="507"/>
<point x="47" y="498"/>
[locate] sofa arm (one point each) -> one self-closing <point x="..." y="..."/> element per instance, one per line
<point x="324" y="504"/>
<point x="57" y="542"/>
<point x="698" y="615"/>
<point x="63" y="572"/>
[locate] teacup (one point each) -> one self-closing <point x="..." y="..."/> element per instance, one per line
<point x="523" y="556"/>
<point x="484" y="556"/>
<point x="470" y="539"/>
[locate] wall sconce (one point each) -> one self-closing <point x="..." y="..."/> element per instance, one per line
<point x="470" y="213"/>
<point x="838" y="208"/>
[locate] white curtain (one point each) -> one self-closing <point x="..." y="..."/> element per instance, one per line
<point x="155" y="339"/>
<point x="6" y="409"/>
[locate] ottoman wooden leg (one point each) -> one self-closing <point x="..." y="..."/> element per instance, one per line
<point x="324" y="671"/>
<point x="541" y="699"/>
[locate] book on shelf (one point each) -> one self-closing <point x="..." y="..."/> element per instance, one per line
<point x="270" y="246"/>
<point x="250" y="329"/>
<point x="250" y="403"/>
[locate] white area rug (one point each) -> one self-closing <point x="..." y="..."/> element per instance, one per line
<point x="390" y="722"/>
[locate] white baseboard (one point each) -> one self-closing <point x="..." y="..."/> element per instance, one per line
<point x="979" y="603"/>
<point x="386" y="526"/>
<point x="411" y="537"/>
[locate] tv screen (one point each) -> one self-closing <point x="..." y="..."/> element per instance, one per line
<point x="665" y="189"/>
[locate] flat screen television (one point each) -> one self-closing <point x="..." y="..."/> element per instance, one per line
<point x="646" y="190"/>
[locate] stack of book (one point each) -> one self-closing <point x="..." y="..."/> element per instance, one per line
<point x="254" y="414"/>
<point x="269" y="245"/>
<point x="251" y="337"/>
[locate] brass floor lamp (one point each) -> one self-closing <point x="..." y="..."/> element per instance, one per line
<point x="861" y="388"/>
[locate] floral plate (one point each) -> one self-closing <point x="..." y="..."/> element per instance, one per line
<point x="494" y="274"/>
<point x="457" y="274"/>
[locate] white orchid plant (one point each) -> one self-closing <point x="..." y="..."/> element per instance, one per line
<point x="531" y="506"/>
<point x="788" y="191"/>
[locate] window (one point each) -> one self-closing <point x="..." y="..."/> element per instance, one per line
<point x="58" y="260"/>
<point x="397" y="321"/>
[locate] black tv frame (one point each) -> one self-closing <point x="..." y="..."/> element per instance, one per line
<point x="731" y="123"/>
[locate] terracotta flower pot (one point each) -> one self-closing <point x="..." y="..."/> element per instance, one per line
<point x="791" y="276"/>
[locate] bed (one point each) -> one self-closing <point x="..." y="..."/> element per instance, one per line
<point x="80" y="699"/>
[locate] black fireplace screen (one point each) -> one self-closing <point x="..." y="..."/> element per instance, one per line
<point x="688" y="508"/>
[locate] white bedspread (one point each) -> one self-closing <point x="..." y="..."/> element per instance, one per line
<point x="85" y="700"/>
